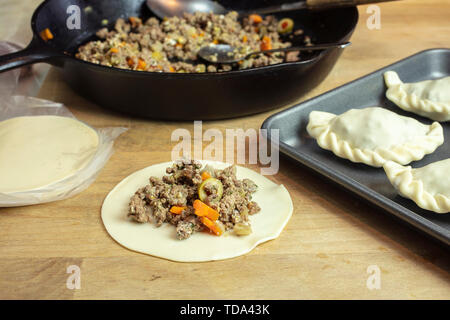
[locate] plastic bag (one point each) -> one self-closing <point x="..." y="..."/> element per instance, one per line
<point x="14" y="106"/>
<point x="27" y="80"/>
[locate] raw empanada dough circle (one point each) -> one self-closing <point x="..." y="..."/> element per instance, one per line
<point x="274" y="200"/>
<point x="428" y="187"/>
<point x="37" y="151"/>
<point x="374" y="135"/>
<point x="430" y="98"/>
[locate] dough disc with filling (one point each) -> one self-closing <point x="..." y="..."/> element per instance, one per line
<point x="274" y="200"/>
<point x="37" y="151"/>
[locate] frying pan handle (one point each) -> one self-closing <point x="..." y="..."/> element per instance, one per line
<point x="34" y="53"/>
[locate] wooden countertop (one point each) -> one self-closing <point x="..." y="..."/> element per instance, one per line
<point x="324" y="252"/>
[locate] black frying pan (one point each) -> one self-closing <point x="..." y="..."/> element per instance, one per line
<point x="179" y="96"/>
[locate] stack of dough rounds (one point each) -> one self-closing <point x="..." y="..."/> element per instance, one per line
<point x="38" y="151"/>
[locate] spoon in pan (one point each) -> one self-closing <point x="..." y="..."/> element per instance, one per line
<point x="224" y="53"/>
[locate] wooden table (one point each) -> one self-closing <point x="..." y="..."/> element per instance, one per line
<point x="324" y="252"/>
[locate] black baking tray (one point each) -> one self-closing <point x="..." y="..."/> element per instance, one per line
<point x="368" y="182"/>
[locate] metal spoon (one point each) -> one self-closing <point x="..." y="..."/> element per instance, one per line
<point x="170" y="8"/>
<point x="224" y="53"/>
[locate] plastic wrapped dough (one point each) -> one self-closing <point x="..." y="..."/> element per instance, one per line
<point x="12" y="106"/>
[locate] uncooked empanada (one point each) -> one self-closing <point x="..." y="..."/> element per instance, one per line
<point x="374" y="135"/>
<point x="428" y="187"/>
<point x="430" y="98"/>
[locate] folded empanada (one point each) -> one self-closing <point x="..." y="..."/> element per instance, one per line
<point x="430" y="98"/>
<point x="374" y="135"/>
<point x="428" y="187"/>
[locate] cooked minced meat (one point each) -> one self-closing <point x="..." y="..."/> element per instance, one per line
<point x="183" y="184"/>
<point x="171" y="45"/>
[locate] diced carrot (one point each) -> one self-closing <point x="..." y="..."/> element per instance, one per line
<point x="177" y="209"/>
<point x="212" y="226"/>
<point x="46" y="34"/>
<point x="179" y="45"/>
<point x="171" y="69"/>
<point x="49" y="34"/>
<point x="215" y="41"/>
<point x="244" y="39"/>
<point x="203" y="210"/>
<point x="202" y="34"/>
<point x="266" y="43"/>
<point x="113" y="50"/>
<point x="134" y="21"/>
<point x="130" y="62"/>
<point x="141" y="64"/>
<point x="205" y="175"/>
<point x="255" y="18"/>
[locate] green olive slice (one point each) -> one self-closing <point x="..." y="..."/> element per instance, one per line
<point x="286" y="25"/>
<point x="214" y="185"/>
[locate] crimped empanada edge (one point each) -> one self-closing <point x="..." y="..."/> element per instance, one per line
<point x="403" y="180"/>
<point x="319" y="128"/>
<point x="412" y="103"/>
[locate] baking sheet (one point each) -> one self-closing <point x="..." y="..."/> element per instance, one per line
<point x="368" y="182"/>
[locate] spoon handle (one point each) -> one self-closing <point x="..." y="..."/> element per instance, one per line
<point x="323" y="46"/>
<point x="314" y="5"/>
<point x="324" y="4"/>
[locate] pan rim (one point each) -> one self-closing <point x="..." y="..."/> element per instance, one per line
<point x="274" y="67"/>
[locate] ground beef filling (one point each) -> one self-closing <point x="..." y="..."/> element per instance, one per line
<point x="171" y="45"/>
<point x="230" y="197"/>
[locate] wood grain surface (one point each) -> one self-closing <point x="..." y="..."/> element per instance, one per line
<point x="324" y="252"/>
